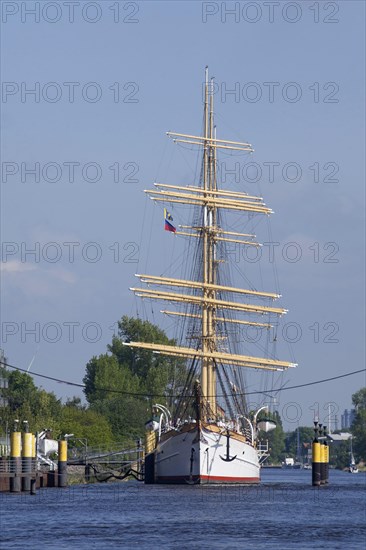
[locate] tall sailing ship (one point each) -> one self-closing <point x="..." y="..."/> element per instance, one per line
<point x="210" y="436"/>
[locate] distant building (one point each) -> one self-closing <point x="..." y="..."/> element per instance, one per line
<point x="347" y="418"/>
<point x="339" y="438"/>
<point x="3" y="380"/>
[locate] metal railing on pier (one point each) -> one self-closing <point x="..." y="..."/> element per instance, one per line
<point x="109" y="462"/>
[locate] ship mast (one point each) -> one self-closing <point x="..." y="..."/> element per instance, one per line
<point x="205" y="254"/>
<point x="207" y="292"/>
<point x="208" y="373"/>
<point x="212" y="219"/>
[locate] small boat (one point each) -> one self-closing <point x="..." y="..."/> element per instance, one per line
<point x="352" y="464"/>
<point x="353" y="468"/>
<point x="290" y="464"/>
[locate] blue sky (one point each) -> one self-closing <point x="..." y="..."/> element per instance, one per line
<point x="128" y="83"/>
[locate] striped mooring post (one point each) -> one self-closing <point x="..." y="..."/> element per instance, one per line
<point x="33" y="481"/>
<point x="320" y="461"/>
<point x="15" y="460"/>
<point x="326" y="456"/>
<point x="316" y="458"/>
<point x="62" y="463"/>
<point x="322" y="456"/>
<point x="27" y="452"/>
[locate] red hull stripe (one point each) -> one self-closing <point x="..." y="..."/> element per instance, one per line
<point x="232" y="479"/>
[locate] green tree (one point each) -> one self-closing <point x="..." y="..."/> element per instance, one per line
<point x="86" y="423"/>
<point x="358" y="427"/>
<point x="46" y="411"/>
<point x="117" y="385"/>
<point x="306" y="436"/>
<point x="21" y="390"/>
<point x="126" y="416"/>
<point x="27" y="402"/>
<point x="359" y="399"/>
<point x="339" y="454"/>
<point x="106" y="377"/>
<point x="159" y="374"/>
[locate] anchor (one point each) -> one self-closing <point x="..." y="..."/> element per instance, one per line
<point x="228" y="458"/>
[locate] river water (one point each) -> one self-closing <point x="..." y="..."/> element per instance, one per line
<point x="284" y="512"/>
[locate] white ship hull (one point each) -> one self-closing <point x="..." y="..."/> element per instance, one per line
<point x="205" y="455"/>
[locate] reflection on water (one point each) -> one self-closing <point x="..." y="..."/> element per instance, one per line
<point x="284" y="512"/>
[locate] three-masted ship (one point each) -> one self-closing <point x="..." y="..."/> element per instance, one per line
<point x="210" y="437"/>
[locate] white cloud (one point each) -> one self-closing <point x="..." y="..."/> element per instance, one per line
<point x="15" y="266"/>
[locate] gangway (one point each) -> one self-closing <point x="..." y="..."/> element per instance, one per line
<point x="104" y="464"/>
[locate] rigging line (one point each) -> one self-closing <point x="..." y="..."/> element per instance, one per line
<point x="243" y="276"/>
<point x="161" y="160"/>
<point x="162" y="395"/>
<point x="187" y="392"/>
<point x="225" y="125"/>
<point x="199" y="151"/>
<point x="274" y="263"/>
<point x="150" y="236"/>
<point x="142" y="232"/>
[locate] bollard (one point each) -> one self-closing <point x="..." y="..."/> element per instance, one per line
<point x="15" y="461"/>
<point x="316" y="458"/>
<point x="322" y="463"/>
<point x="326" y="458"/>
<point x="322" y="456"/>
<point x="34" y="447"/>
<point x="27" y="451"/>
<point x="62" y="463"/>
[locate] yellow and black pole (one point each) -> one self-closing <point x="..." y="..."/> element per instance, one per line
<point x="150" y="446"/>
<point x="34" y="449"/>
<point x="326" y="456"/>
<point x="150" y="441"/>
<point x="62" y="463"/>
<point x="33" y="482"/>
<point x="15" y="459"/>
<point x="27" y="451"/>
<point x="316" y="457"/>
<point x="322" y="455"/>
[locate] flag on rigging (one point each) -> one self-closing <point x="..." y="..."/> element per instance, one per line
<point x="168" y="218"/>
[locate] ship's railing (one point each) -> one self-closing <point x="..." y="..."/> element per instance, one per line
<point x="4" y="450"/>
<point x="263" y="447"/>
<point x="263" y="451"/>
